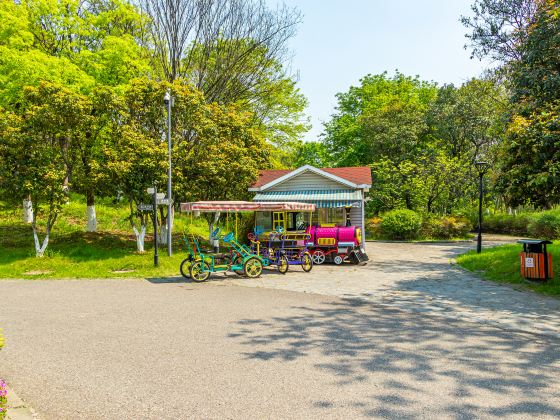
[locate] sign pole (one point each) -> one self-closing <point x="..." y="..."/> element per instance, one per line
<point x="156" y="256"/>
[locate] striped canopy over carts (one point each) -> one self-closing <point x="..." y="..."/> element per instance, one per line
<point x="235" y="206"/>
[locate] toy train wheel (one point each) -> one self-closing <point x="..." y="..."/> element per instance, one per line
<point x="307" y="262"/>
<point x="283" y="264"/>
<point x="199" y="271"/>
<point x="318" y="257"/>
<point x="253" y="267"/>
<point x="338" y="260"/>
<point x="185" y="268"/>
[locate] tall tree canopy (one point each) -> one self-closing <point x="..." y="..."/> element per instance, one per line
<point x="531" y="157"/>
<point x="420" y="140"/>
<point x="383" y="117"/>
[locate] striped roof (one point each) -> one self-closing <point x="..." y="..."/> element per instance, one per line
<point x="321" y="198"/>
<point x="357" y="175"/>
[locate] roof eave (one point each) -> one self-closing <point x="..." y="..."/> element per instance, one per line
<point x="304" y="168"/>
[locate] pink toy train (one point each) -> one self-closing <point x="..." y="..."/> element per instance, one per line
<point x="336" y="244"/>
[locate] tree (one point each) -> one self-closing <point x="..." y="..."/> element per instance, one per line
<point x="311" y="153"/>
<point x="469" y="122"/>
<point x="81" y="45"/>
<point x="217" y="150"/>
<point x="530" y="159"/>
<point x="185" y="34"/>
<point x="381" y="118"/>
<point x="234" y="52"/>
<point x="499" y="27"/>
<point x="35" y="152"/>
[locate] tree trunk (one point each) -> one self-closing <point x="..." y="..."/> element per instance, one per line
<point x="163" y="234"/>
<point x="211" y="222"/>
<point x="40" y="249"/>
<point x="140" y="237"/>
<point x="163" y="228"/>
<point x="27" y="210"/>
<point x="91" y="215"/>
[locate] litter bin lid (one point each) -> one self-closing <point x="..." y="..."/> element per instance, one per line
<point x="534" y="241"/>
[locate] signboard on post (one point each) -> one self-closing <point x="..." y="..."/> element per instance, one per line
<point x="145" y="207"/>
<point x="164" y="201"/>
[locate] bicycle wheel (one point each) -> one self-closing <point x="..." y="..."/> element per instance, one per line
<point x="200" y="271"/>
<point x="283" y="264"/>
<point x="185" y="268"/>
<point x="306" y="262"/>
<point x="253" y="267"/>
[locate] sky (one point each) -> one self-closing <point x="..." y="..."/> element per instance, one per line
<point x="340" y="41"/>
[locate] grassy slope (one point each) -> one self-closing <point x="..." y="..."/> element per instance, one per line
<point x="73" y="253"/>
<point x="502" y="264"/>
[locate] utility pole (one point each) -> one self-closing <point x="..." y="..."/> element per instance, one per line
<point x="168" y="101"/>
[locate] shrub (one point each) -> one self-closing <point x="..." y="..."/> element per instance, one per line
<point x="373" y="227"/>
<point x="545" y="226"/>
<point x="446" y="227"/>
<point x="401" y="224"/>
<point x="506" y="224"/>
<point x="3" y="399"/>
<point x="3" y="388"/>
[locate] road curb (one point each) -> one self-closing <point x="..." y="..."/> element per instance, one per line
<point x="17" y="409"/>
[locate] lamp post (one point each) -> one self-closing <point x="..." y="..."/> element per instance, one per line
<point x="168" y="102"/>
<point x="481" y="167"/>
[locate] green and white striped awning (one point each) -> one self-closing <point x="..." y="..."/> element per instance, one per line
<point x="321" y="198"/>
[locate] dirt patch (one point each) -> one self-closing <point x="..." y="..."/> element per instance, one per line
<point x="122" y="271"/>
<point x="37" y="272"/>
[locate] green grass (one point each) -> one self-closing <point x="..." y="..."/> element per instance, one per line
<point x="74" y="253"/>
<point x="502" y="264"/>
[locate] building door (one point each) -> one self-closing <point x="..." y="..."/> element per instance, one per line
<point x="279" y="219"/>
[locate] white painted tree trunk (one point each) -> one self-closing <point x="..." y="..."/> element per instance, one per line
<point x="40" y="249"/>
<point x="27" y="211"/>
<point x="163" y="229"/>
<point x="140" y="237"/>
<point x="91" y="219"/>
<point x="163" y="235"/>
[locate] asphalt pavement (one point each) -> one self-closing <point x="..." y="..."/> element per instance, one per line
<point x="168" y="349"/>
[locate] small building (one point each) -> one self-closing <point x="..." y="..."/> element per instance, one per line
<point x="338" y="193"/>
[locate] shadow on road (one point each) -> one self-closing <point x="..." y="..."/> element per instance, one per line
<point x="482" y="371"/>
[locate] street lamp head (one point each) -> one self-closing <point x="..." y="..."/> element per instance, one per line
<point x="482" y="166"/>
<point x="167" y="98"/>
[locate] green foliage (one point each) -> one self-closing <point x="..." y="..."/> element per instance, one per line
<point x="502" y="264"/>
<point x="401" y="224"/>
<point x="381" y="118"/>
<point x="509" y="224"/>
<point x="523" y="35"/>
<point x="311" y="153"/>
<point x="445" y="227"/>
<point x="545" y="226"/>
<point x="420" y="140"/>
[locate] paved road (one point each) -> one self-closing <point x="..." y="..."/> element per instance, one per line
<point x="421" y="277"/>
<point x="424" y="340"/>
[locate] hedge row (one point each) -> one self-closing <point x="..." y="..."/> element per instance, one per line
<point x="543" y="225"/>
<point x="407" y="224"/>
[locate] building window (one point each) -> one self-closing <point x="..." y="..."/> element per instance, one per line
<point x="278" y="220"/>
<point x="329" y="216"/>
<point x="264" y="220"/>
